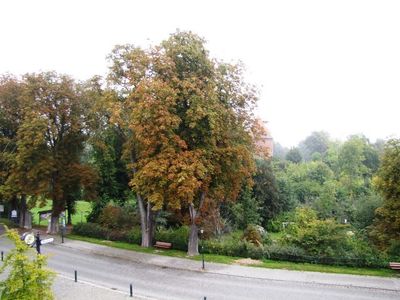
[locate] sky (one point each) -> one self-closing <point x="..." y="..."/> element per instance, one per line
<point x="319" y="65"/>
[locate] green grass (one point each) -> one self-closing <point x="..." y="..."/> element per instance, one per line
<point x="128" y="246"/>
<point x="271" y="264"/>
<point x="83" y="208"/>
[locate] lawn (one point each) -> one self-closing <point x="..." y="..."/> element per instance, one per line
<point x="83" y="208"/>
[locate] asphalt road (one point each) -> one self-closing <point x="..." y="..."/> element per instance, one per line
<point x="168" y="283"/>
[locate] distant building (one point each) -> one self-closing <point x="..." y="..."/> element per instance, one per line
<point x="265" y="142"/>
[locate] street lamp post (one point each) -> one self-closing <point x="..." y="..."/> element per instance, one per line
<point x="202" y="252"/>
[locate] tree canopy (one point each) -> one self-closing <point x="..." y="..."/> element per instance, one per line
<point x="386" y="229"/>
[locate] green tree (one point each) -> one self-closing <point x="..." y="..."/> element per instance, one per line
<point x="317" y="142"/>
<point x="386" y="227"/>
<point x="265" y="190"/>
<point x="294" y="155"/>
<point x="246" y="210"/>
<point x="27" y="278"/>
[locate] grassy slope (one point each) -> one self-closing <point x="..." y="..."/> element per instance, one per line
<point x="83" y="208"/>
<point x="230" y="260"/>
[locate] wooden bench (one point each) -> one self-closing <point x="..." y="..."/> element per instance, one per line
<point x="394" y="265"/>
<point x="163" y="245"/>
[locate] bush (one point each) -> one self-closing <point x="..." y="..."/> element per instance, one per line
<point x="274" y="225"/>
<point x="26" y="274"/>
<point x="178" y="237"/>
<point x="316" y="237"/>
<point x="116" y="218"/>
<point x="232" y="247"/>
<point x="91" y="230"/>
<point x="394" y="249"/>
<point x="134" y="236"/>
<point x="252" y="235"/>
<point x="284" y="252"/>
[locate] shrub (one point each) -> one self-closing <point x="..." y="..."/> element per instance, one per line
<point x="252" y="235"/>
<point x="116" y="218"/>
<point x="91" y="230"/>
<point x="231" y="247"/>
<point x="394" y="248"/>
<point x="27" y="277"/>
<point x="178" y="237"/>
<point x="284" y="252"/>
<point x="316" y="237"/>
<point x="134" y="236"/>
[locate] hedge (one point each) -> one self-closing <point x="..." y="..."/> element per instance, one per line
<point x="233" y="247"/>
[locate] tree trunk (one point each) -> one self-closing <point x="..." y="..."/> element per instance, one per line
<point x="25" y="216"/>
<point x="28" y="220"/>
<point x="146" y="222"/>
<point x="69" y="211"/>
<point x="22" y="211"/>
<point x="193" y="244"/>
<point x="53" y="227"/>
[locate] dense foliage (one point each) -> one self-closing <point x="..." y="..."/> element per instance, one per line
<point x="27" y="277"/>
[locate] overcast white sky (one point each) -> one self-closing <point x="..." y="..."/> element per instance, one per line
<point x="320" y="65"/>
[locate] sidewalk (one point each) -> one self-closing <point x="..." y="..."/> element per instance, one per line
<point x="370" y="282"/>
<point x="66" y="288"/>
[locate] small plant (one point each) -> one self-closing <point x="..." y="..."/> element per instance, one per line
<point x="252" y="235"/>
<point x="27" y="278"/>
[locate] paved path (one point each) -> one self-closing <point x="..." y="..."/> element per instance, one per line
<point x="161" y="277"/>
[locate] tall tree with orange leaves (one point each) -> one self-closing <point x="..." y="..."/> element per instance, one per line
<point x="191" y="127"/>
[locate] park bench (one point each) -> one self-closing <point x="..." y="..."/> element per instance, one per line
<point x="163" y="245"/>
<point x="394" y="265"/>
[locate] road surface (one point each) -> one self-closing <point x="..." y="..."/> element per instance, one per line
<point x="161" y="282"/>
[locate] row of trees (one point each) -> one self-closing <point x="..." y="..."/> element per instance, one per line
<point x="169" y="124"/>
<point x="172" y="131"/>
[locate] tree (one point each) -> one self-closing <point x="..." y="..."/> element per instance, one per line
<point x="130" y="66"/>
<point x="353" y="173"/>
<point x="280" y="151"/>
<point x="189" y="127"/>
<point x="386" y="227"/>
<point x="265" y="190"/>
<point x="50" y="142"/>
<point x="27" y="279"/>
<point x="10" y="119"/>
<point x="294" y="155"/>
<point x="317" y="142"/>
<point x="246" y="210"/>
<point x="104" y="147"/>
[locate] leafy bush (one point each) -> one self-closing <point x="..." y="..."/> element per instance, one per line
<point x="178" y="237"/>
<point x="284" y="252"/>
<point x="27" y="277"/>
<point x="394" y="248"/>
<point x="252" y="235"/>
<point x="134" y="236"/>
<point x="115" y="217"/>
<point x="231" y="246"/>
<point x="316" y="237"/>
<point x="91" y="230"/>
